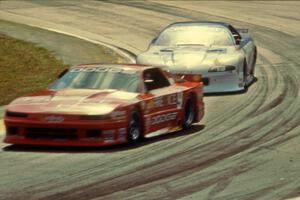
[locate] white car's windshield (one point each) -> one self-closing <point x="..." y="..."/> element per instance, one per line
<point x="194" y="35"/>
<point x="98" y="78"/>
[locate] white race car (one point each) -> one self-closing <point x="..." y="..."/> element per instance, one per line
<point x="223" y="55"/>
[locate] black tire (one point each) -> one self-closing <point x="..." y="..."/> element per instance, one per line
<point x="245" y="74"/>
<point x="245" y="71"/>
<point x="254" y="62"/>
<point x="134" y="128"/>
<point x="189" y="113"/>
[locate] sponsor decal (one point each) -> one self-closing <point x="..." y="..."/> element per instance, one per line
<point x="179" y="100"/>
<point x="108" y="135"/>
<point x="171" y="99"/>
<point x="122" y="134"/>
<point x="53" y="118"/>
<point x="102" y="69"/>
<point x="155" y="103"/>
<point x="167" y="100"/>
<point x="163" y="118"/>
<point x="158" y="102"/>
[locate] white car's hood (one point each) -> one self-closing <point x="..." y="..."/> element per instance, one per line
<point x="188" y="58"/>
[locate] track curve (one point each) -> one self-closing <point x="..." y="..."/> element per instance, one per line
<point x="245" y="148"/>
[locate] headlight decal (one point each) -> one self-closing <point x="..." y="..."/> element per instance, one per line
<point x="222" y="68"/>
<point x="16" y="114"/>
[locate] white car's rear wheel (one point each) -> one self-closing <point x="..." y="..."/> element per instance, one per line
<point x="253" y="62"/>
<point x="245" y="75"/>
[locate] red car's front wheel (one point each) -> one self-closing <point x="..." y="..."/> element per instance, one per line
<point x="134" y="128"/>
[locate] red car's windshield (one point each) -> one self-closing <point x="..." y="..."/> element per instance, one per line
<point x="98" y="78"/>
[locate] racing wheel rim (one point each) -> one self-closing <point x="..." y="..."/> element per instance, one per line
<point x="134" y="129"/>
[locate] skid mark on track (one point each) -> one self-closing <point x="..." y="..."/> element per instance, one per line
<point x="206" y="162"/>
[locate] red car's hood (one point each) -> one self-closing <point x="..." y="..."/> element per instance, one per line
<point x="73" y="101"/>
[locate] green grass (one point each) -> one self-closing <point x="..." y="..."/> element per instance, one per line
<point x="31" y="58"/>
<point x="67" y="48"/>
<point x="25" y="68"/>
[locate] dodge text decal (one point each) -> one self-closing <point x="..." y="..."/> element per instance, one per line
<point x="163" y="118"/>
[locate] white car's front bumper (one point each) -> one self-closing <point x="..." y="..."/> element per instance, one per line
<point x="215" y="82"/>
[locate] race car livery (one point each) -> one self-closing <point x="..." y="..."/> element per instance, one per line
<point x="98" y="104"/>
<point x="223" y="55"/>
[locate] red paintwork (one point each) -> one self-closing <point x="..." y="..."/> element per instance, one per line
<point x="72" y="103"/>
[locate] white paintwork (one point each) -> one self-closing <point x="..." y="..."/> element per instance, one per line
<point x="199" y="58"/>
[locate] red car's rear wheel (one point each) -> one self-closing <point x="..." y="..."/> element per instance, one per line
<point x="189" y="113"/>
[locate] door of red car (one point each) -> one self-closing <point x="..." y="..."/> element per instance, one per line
<point x="162" y="101"/>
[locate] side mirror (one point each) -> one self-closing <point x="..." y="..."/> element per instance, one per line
<point x="148" y="81"/>
<point x="178" y="78"/>
<point x="237" y="39"/>
<point x="153" y="40"/>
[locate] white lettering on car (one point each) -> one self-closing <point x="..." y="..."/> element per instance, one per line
<point x="179" y="100"/>
<point x="101" y="69"/>
<point x="53" y="118"/>
<point x="122" y="134"/>
<point x="162" y="101"/>
<point x="158" y="102"/>
<point x="172" y="99"/>
<point x="163" y="118"/>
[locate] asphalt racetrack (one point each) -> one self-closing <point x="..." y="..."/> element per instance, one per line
<point x="246" y="147"/>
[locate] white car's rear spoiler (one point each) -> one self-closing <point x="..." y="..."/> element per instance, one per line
<point x="243" y="30"/>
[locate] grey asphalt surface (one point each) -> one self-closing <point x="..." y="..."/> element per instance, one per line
<point x="247" y="146"/>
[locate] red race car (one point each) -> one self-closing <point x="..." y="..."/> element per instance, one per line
<point x="95" y="105"/>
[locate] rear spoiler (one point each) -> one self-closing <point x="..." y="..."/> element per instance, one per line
<point x="243" y="30"/>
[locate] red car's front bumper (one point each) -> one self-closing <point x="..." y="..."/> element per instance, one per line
<point x="68" y="133"/>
